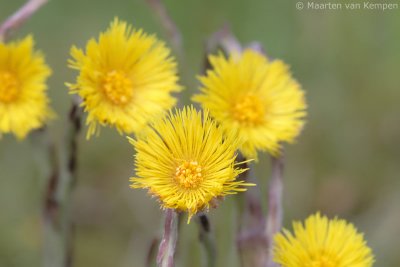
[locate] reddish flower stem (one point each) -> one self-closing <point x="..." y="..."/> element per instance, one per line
<point x="19" y="17"/>
<point x="166" y="250"/>
<point x="275" y="210"/>
<point x="169" y="25"/>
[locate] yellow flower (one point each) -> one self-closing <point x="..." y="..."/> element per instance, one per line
<point x="254" y="97"/>
<point x="126" y="79"/>
<point x="322" y="243"/>
<point x="23" y="100"/>
<point x="186" y="161"/>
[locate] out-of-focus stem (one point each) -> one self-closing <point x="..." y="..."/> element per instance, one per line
<point x="75" y="115"/>
<point x="251" y="241"/>
<point x="19" y="17"/>
<point x="226" y="40"/>
<point x="275" y="211"/>
<point x="169" y="25"/>
<point x="58" y="228"/>
<point x="151" y="254"/>
<point x="208" y="240"/>
<point x="53" y="249"/>
<point x="221" y="39"/>
<point x="166" y="251"/>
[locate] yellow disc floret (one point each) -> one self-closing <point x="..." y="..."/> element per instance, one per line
<point x="189" y="175"/>
<point x="249" y="110"/>
<point x="9" y="87"/>
<point x="117" y="87"/>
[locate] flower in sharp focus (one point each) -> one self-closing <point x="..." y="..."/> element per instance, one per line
<point x="24" y="105"/>
<point x="321" y="242"/>
<point x="186" y="161"/>
<point x="254" y="97"/>
<point x="125" y="79"/>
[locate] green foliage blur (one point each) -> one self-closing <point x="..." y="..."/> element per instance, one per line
<point x="345" y="163"/>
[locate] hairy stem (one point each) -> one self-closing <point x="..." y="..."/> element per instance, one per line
<point x="166" y="250"/>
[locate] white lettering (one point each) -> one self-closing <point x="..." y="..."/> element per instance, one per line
<point x="353" y="6"/>
<point x="380" y="6"/>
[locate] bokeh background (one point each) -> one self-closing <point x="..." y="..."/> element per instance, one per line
<point x="345" y="163"/>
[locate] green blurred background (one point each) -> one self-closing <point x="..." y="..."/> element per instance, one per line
<point x="345" y="163"/>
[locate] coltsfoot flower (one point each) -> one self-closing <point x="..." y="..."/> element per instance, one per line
<point x="24" y="105"/>
<point x="186" y="161"/>
<point x="125" y="79"/>
<point x="322" y="243"/>
<point x="254" y="97"/>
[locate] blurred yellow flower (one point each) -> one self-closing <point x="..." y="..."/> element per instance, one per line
<point x="126" y="79"/>
<point x="24" y="105"/>
<point x="322" y="243"/>
<point x="186" y="161"/>
<point x="256" y="98"/>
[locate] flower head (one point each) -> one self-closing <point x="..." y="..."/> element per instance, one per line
<point x="23" y="100"/>
<point x="254" y="97"/>
<point x="322" y="243"/>
<point x="125" y="79"/>
<point x="186" y="161"/>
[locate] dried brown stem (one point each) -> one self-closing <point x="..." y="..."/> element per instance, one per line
<point x="19" y="17"/>
<point x="166" y="251"/>
<point x="169" y="25"/>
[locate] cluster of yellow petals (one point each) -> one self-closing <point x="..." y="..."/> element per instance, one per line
<point x="125" y="79"/>
<point x="254" y="97"/>
<point x="186" y="161"/>
<point x="24" y="105"/>
<point x="321" y="242"/>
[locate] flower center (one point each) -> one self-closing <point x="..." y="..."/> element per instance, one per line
<point x="188" y="175"/>
<point x="324" y="261"/>
<point x="249" y="110"/>
<point x="9" y="87"/>
<point x="117" y="87"/>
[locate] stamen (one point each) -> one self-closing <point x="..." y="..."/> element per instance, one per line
<point x="189" y="175"/>
<point x="9" y="87"/>
<point x="117" y="87"/>
<point x="249" y="110"/>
